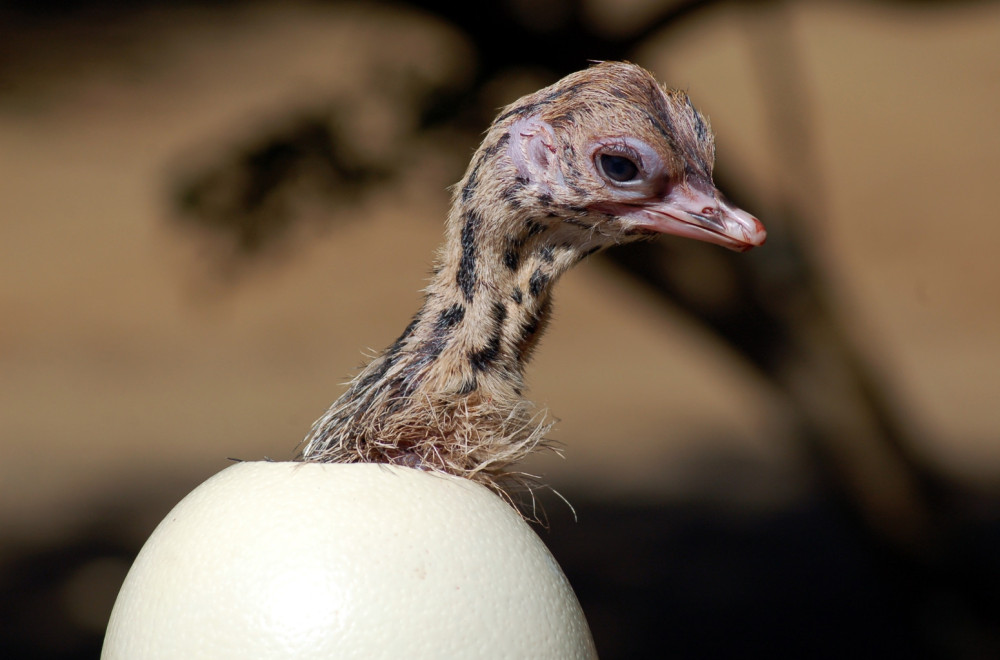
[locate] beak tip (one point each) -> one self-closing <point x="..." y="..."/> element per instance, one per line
<point x="757" y="235"/>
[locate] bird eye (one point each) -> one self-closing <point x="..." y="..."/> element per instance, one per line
<point x="617" y="168"/>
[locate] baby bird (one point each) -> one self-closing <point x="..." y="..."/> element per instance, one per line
<point x="603" y="157"/>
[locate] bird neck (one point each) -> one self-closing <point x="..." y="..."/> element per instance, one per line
<point x="487" y="305"/>
<point x="454" y="377"/>
<point x="447" y="394"/>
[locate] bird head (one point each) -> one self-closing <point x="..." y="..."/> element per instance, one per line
<point x="610" y="148"/>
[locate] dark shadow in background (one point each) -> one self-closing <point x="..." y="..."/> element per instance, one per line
<point x="900" y="568"/>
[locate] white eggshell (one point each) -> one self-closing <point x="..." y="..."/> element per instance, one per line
<point x="307" y="560"/>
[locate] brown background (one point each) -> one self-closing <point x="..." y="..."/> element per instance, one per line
<point x="137" y="355"/>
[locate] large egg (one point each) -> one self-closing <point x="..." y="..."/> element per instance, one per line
<point x="309" y="560"/>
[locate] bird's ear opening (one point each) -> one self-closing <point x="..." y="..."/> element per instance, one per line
<point x="534" y="152"/>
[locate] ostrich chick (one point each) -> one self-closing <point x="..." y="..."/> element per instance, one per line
<point x="603" y="157"/>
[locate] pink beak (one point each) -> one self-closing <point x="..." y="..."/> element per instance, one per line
<point x="696" y="209"/>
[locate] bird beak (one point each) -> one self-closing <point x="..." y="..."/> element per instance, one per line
<point x="696" y="209"/>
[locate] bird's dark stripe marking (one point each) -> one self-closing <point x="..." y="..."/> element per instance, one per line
<point x="470" y="185"/>
<point x="498" y="313"/>
<point x="578" y="223"/>
<point x="534" y="228"/>
<point x="565" y="118"/>
<point x="509" y="195"/>
<point x="529" y="107"/>
<point x="466" y="276"/>
<point x="488" y="152"/>
<point x="375" y="375"/>
<point x="695" y="165"/>
<point x="389" y="358"/>
<point x="529" y="327"/>
<point x="566" y="91"/>
<point x="492" y="150"/>
<point x="430" y="350"/>
<point x="667" y="128"/>
<point x="398" y="344"/>
<point x="545" y="199"/>
<point x="546" y="253"/>
<point x="570" y="162"/>
<point x="537" y="282"/>
<point x="579" y="190"/>
<point x="450" y="317"/>
<point x="407" y="383"/>
<point x="522" y="110"/>
<point x="699" y="121"/>
<point x="517" y="295"/>
<point x="482" y="359"/>
<point x="469" y="386"/>
<point x="511" y="259"/>
<point x="665" y="131"/>
<point x="663" y="106"/>
<point x="519" y="110"/>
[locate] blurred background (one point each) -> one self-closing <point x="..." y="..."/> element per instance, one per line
<point x="209" y="211"/>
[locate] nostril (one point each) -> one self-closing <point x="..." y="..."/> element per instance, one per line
<point x="708" y="210"/>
